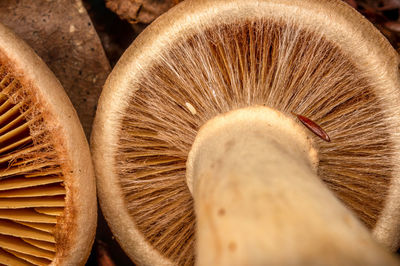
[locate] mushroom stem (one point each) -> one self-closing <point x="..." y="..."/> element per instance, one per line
<point x="258" y="200"/>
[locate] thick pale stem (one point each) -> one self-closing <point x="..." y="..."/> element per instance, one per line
<point x="258" y="199"/>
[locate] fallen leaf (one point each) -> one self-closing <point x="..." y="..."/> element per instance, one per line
<point x="140" y="11"/>
<point x="352" y="3"/>
<point x="393" y="26"/>
<point x="103" y="255"/>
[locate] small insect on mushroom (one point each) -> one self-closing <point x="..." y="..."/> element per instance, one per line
<point x="313" y="127"/>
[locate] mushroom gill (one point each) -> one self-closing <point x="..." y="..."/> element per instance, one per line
<point x="215" y="73"/>
<point x="200" y="64"/>
<point x="32" y="192"/>
<point x="47" y="189"/>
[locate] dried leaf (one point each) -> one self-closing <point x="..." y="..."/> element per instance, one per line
<point x="388" y="4"/>
<point x="352" y="3"/>
<point x="393" y="26"/>
<point x="140" y="11"/>
<point x="103" y="255"/>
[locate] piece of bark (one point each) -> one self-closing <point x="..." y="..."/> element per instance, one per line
<point x="140" y="11"/>
<point x="62" y="34"/>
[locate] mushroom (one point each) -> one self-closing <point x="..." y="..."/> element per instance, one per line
<point x="202" y="104"/>
<point x="47" y="188"/>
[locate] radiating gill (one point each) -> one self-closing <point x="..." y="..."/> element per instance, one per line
<point x="32" y="192"/>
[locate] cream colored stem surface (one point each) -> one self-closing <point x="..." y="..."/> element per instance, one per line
<point x="259" y="201"/>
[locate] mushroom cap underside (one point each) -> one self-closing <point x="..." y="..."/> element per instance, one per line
<point x="47" y="189"/>
<point x="320" y="59"/>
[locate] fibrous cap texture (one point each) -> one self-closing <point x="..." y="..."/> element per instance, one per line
<point x="320" y="59"/>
